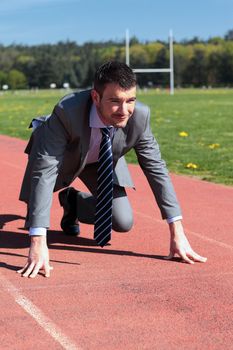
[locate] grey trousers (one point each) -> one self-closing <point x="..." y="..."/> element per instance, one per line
<point x="122" y="214"/>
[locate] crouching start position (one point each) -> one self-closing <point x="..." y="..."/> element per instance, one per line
<point x="87" y="136"/>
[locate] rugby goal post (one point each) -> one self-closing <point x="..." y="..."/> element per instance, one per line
<point x="169" y="70"/>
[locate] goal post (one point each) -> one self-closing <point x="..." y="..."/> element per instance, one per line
<point x="169" y="70"/>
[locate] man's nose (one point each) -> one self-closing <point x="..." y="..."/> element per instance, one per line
<point x="123" y="108"/>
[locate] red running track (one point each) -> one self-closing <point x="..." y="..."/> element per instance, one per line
<point x="124" y="296"/>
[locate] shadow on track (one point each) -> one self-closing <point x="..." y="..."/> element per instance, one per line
<point x="57" y="240"/>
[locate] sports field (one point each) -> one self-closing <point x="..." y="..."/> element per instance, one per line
<point x="194" y="127"/>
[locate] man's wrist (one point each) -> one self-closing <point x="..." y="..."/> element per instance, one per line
<point x="176" y="228"/>
<point x="38" y="241"/>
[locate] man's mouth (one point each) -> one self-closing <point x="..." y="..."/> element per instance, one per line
<point x="120" y="117"/>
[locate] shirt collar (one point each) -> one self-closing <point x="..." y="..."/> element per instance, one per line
<point x="95" y="121"/>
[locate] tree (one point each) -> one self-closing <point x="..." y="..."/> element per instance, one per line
<point x="229" y="35"/>
<point x="196" y="70"/>
<point x="16" y="80"/>
<point x="226" y="66"/>
<point x="3" y="78"/>
<point x="213" y="53"/>
<point x="196" y="62"/>
<point x="182" y="56"/>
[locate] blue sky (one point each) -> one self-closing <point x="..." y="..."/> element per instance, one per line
<point x="49" y="21"/>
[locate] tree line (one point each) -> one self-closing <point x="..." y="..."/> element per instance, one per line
<point x="196" y="62"/>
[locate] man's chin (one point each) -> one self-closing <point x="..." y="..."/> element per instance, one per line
<point x="121" y="123"/>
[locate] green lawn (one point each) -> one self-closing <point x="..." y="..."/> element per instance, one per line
<point x="206" y="116"/>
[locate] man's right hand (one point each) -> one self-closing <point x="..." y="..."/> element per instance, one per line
<point x="38" y="258"/>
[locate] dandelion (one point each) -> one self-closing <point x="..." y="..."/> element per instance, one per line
<point x="191" y="166"/>
<point x="214" y="145"/>
<point x="183" y="134"/>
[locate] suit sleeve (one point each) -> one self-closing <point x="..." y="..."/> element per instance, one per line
<point x="49" y="143"/>
<point x="155" y="170"/>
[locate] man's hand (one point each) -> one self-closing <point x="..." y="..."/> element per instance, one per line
<point x="179" y="245"/>
<point x="38" y="258"/>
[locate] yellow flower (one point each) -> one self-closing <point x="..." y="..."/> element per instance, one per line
<point x="191" y="166"/>
<point x="214" y="145"/>
<point x="183" y="134"/>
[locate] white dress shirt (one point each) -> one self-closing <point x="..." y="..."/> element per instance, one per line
<point x="95" y="124"/>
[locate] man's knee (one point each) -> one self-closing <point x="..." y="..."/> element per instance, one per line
<point x="122" y="220"/>
<point x="122" y="214"/>
<point x="122" y="224"/>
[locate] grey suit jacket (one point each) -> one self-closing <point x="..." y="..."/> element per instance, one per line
<point x="58" y="152"/>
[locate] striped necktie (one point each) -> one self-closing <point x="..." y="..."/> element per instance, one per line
<point x="103" y="214"/>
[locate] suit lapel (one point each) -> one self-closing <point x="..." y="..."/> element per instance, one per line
<point x="86" y="135"/>
<point x="86" y="138"/>
<point x="119" y="143"/>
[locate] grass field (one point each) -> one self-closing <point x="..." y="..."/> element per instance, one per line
<point x="194" y="127"/>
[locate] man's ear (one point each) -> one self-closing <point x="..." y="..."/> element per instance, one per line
<point x="95" y="97"/>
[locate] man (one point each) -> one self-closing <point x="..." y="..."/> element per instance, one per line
<point x="67" y="145"/>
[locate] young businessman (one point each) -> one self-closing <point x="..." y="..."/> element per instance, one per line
<point x="68" y="144"/>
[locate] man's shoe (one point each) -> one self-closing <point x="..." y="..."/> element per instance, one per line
<point x="68" y="200"/>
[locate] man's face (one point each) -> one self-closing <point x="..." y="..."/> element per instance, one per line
<point x="116" y="105"/>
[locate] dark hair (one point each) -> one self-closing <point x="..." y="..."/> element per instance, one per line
<point x="114" y="72"/>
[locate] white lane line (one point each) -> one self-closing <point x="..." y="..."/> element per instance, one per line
<point x="54" y="331"/>
<point x="211" y="240"/>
